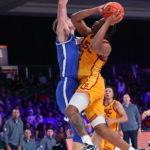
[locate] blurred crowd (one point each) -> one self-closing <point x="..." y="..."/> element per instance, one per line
<point x="35" y="98"/>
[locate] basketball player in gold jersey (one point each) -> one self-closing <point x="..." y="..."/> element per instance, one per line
<point x="90" y="93"/>
<point x="114" y="114"/>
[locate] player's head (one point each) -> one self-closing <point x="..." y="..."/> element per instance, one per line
<point x="126" y="98"/>
<point x="68" y="22"/>
<point x="16" y="113"/>
<point x="98" y="24"/>
<point x="110" y="92"/>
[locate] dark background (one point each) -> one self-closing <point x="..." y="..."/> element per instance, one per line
<point x="31" y="41"/>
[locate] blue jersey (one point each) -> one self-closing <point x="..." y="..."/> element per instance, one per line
<point x="67" y="54"/>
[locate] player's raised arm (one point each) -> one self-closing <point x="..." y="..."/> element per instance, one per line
<point x="77" y="19"/>
<point x="98" y="45"/>
<point x="62" y="29"/>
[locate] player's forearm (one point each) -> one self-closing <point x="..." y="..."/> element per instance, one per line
<point x="97" y="41"/>
<point x="61" y="13"/>
<point x="122" y="119"/>
<point x="84" y="14"/>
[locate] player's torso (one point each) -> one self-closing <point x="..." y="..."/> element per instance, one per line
<point x="67" y="54"/>
<point x="110" y="112"/>
<point x="89" y="63"/>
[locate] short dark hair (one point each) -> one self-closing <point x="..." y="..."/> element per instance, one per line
<point x="27" y="129"/>
<point x="54" y="26"/>
<point x="49" y="129"/>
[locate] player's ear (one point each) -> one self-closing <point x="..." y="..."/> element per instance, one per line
<point x="54" y="26"/>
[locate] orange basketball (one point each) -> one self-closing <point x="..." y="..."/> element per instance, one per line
<point x="111" y="7"/>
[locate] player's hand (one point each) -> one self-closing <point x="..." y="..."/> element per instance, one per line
<point x="115" y="18"/>
<point x="63" y="2"/>
<point x="120" y="133"/>
<point x="145" y="114"/>
<point x="100" y="8"/>
<point x="8" y="148"/>
<point x="103" y="7"/>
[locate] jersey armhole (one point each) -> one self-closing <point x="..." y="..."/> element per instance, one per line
<point x="69" y="39"/>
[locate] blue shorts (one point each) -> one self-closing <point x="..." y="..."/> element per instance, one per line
<point x="65" y="90"/>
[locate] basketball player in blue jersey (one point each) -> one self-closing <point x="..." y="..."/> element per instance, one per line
<point x="67" y="53"/>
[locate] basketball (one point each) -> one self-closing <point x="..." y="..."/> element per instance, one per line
<point x="111" y="7"/>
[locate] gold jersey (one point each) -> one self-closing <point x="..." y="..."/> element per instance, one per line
<point x="110" y="112"/>
<point x="90" y="64"/>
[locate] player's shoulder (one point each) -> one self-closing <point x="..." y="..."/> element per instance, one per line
<point x="71" y="37"/>
<point x="117" y="104"/>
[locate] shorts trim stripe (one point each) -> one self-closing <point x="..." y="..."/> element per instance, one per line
<point x="64" y="91"/>
<point x="64" y="61"/>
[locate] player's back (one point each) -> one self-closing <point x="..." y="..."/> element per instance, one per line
<point x="110" y="112"/>
<point x="89" y="62"/>
<point x="67" y="55"/>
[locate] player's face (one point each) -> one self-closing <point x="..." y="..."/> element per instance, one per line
<point x="109" y="93"/>
<point x="27" y="134"/>
<point x="126" y="99"/>
<point x="70" y="24"/>
<point x="50" y="132"/>
<point x="16" y="114"/>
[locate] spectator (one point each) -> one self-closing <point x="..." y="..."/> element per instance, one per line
<point x="60" y="135"/>
<point x="2" y="111"/>
<point x="31" y="127"/>
<point x="37" y="120"/>
<point x="40" y="132"/>
<point x="50" y="119"/>
<point x="132" y="127"/>
<point x="13" y="131"/>
<point x="30" y="117"/>
<point x="27" y="143"/>
<point x="48" y="142"/>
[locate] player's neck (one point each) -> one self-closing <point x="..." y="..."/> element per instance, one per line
<point x="108" y="101"/>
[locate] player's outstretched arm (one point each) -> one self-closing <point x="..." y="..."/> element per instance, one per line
<point x="97" y="43"/>
<point x="77" y="19"/>
<point x="62" y="29"/>
<point x="122" y="114"/>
